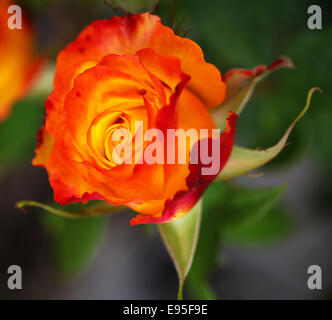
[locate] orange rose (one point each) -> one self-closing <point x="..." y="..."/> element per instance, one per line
<point x="116" y="72"/>
<point x="18" y="64"/>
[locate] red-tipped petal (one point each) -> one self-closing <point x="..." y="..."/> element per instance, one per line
<point x="196" y="182"/>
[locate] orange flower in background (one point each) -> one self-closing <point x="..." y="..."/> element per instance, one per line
<point x="18" y="63"/>
<point x="116" y="72"/>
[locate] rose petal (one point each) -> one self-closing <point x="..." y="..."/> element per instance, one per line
<point x="196" y="182"/>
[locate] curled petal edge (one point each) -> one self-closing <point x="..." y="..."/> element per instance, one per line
<point x="240" y="85"/>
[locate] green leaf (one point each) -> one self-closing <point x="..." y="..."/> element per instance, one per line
<point x="234" y="215"/>
<point x="133" y="6"/>
<point x="200" y="288"/>
<point x="73" y="241"/>
<point x="91" y="209"/>
<point x="275" y="224"/>
<point x="256" y="33"/>
<point x="180" y="238"/>
<point x="312" y="67"/>
<point x="244" y="207"/>
<point x="243" y="161"/>
<point x="18" y="133"/>
<point x="208" y="243"/>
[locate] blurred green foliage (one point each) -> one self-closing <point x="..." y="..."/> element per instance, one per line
<point x="133" y="6"/>
<point x="252" y="217"/>
<point x="235" y="215"/>
<point x="73" y="240"/>
<point x="18" y="134"/>
<point x="244" y="34"/>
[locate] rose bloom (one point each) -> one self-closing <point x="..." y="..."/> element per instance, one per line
<point x="116" y="72"/>
<point x="18" y="63"/>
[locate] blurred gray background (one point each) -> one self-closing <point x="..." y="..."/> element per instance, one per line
<point x="131" y="262"/>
